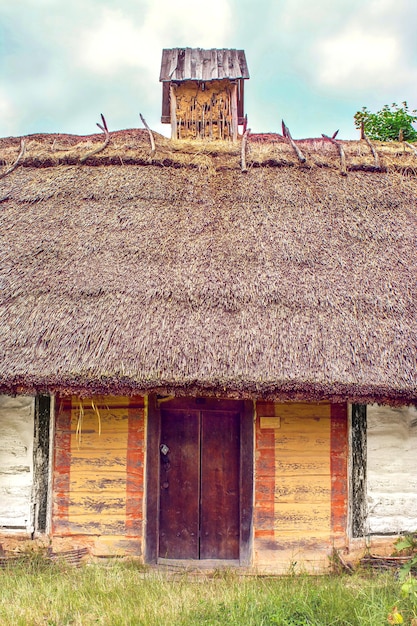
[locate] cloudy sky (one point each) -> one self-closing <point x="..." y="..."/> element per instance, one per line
<point x="312" y="62"/>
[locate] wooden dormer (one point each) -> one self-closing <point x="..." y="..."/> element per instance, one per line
<point x="202" y="94"/>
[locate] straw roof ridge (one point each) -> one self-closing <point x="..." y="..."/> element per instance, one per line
<point x="297" y="284"/>
<point x="264" y="150"/>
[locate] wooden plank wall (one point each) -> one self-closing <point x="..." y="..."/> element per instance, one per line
<point x="16" y="463"/>
<point x="300" y="483"/>
<point x="98" y="476"/>
<point x="392" y="469"/>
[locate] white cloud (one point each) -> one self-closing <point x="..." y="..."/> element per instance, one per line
<point x="7" y="115"/>
<point x="191" y="22"/>
<point x="112" y="44"/>
<point x="359" y="58"/>
<point x="119" y="40"/>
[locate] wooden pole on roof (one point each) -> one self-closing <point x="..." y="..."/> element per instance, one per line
<point x="103" y="127"/>
<point x="152" y="140"/>
<point x="173" y="110"/>
<point x="339" y="146"/>
<point x="411" y="146"/>
<point x="243" y="150"/>
<point x="374" y="152"/>
<point x="16" y="163"/>
<point x="287" y="134"/>
<point x="234" y="112"/>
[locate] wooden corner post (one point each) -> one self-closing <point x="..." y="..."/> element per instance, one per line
<point x="234" y="111"/>
<point x="173" y="110"/>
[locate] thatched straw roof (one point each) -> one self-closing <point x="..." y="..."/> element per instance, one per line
<point x="177" y="272"/>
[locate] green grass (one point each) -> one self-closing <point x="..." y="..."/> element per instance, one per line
<point x="39" y="593"/>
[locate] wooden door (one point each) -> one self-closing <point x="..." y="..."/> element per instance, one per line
<point x="199" y="484"/>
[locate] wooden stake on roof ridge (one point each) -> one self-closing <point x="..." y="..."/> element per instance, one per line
<point x="245" y="123"/>
<point x="411" y="146"/>
<point x="343" y="170"/>
<point x="287" y="135"/>
<point x="374" y="152"/>
<point x="243" y="150"/>
<point x="152" y="140"/>
<point x="105" y="130"/>
<point x="19" y="157"/>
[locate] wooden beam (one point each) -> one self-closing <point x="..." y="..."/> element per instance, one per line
<point x="152" y="481"/>
<point x="41" y="465"/>
<point x="234" y="112"/>
<point x="166" y="117"/>
<point x="358" y="470"/>
<point x="246" y="480"/>
<point x="173" y="109"/>
<point x="240" y="102"/>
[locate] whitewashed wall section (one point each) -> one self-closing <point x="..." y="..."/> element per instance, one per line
<point x="392" y="469"/>
<point x="16" y="462"/>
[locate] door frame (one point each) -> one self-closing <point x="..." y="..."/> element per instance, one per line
<point x="246" y="478"/>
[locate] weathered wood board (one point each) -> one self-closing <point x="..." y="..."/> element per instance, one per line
<point x="391" y="469"/>
<point x="16" y="462"/>
<point x="99" y="473"/>
<point x="300" y="481"/>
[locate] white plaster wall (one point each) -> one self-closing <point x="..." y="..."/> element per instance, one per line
<point x="16" y="462"/>
<point x="392" y="469"/>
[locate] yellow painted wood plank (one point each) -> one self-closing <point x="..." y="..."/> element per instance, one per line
<point x="89" y="517"/>
<point x="98" y="463"/>
<point x="103" y="401"/>
<point x="319" y="453"/>
<point x="117" y="545"/>
<point x="115" y="440"/>
<point x="302" y="517"/>
<point x="302" y="409"/>
<point x="96" y="527"/>
<point x="269" y="422"/>
<point x="315" y="535"/>
<point x="98" y="474"/>
<point x="303" y="449"/>
<point x="297" y="427"/>
<point x="303" y="489"/>
<point x="108" y="421"/>
<point x="91" y="505"/>
<point x="107" y="458"/>
<point x="103" y="481"/>
<point x="296" y="467"/>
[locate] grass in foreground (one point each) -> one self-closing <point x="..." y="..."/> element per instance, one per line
<point x="124" y="594"/>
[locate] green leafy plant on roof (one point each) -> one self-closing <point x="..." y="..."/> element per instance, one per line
<point x="391" y="123"/>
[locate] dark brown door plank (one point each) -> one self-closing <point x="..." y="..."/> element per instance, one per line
<point x="179" y="484"/>
<point x="219" y="523"/>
